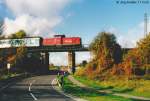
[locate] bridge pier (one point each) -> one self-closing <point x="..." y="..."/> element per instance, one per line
<point x="45" y="61"/>
<point x="71" y="61"/>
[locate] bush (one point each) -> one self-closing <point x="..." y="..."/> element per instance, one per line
<point x="80" y="72"/>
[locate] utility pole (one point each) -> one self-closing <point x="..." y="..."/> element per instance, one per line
<point x="145" y="24"/>
<point x="145" y="34"/>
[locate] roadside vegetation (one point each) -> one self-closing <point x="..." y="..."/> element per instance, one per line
<point x="5" y="75"/>
<point x="88" y="94"/>
<point x="131" y="87"/>
<point x="123" y="70"/>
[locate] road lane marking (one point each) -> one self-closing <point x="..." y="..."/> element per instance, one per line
<point x="30" y="90"/>
<point x="31" y="85"/>
<point x="33" y="96"/>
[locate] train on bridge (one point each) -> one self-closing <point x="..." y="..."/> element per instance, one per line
<point x="62" y="40"/>
<point x="57" y="40"/>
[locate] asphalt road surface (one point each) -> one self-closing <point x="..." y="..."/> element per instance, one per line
<point x="37" y="88"/>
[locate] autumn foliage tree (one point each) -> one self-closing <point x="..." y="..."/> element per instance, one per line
<point x="108" y="56"/>
<point x="132" y="62"/>
<point x="106" y="51"/>
<point x="16" y="59"/>
<point x="144" y="51"/>
<point x="137" y="60"/>
<point x="18" y="35"/>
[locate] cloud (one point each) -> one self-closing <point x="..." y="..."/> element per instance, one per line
<point x="32" y="25"/>
<point x="81" y="56"/>
<point x="59" y="58"/>
<point x="131" y="36"/>
<point x="40" y="8"/>
<point x="1" y="1"/>
<point x="114" y="30"/>
<point x="35" y="17"/>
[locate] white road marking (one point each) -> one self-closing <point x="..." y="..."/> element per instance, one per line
<point x="30" y="90"/>
<point x="33" y="96"/>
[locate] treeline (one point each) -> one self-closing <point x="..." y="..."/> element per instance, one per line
<point x="111" y="60"/>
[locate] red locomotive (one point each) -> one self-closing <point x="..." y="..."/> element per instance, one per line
<point x="61" y="40"/>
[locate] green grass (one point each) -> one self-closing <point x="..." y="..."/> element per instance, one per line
<point x="6" y="76"/>
<point x="89" y="94"/>
<point x="132" y="87"/>
<point x="54" y="67"/>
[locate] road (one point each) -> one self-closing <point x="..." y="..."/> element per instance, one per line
<point x="38" y="88"/>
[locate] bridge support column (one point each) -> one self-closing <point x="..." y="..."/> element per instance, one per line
<point x="71" y="61"/>
<point x="47" y="60"/>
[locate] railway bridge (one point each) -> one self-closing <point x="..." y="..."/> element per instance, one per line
<point x="59" y="43"/>
<point x="45" y="52"/>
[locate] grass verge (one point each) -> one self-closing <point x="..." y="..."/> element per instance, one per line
<point x="6" y="76"/>
<point x="89" y="94"/>
<point x="132" y="87"/>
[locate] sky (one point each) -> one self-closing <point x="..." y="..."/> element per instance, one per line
<point x="83" y="18"/>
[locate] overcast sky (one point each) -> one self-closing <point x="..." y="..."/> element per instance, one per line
<point x="83" y="18"/>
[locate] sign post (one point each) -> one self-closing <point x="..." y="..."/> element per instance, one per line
<point x="8" y="67"/>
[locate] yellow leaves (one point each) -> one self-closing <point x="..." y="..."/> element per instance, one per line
<point x="11" y="58"/>
<point x="19" y="34"/>
<point x="80" y="72"/>
<point x="144" y="48"/>
<point x="20" y="52"/>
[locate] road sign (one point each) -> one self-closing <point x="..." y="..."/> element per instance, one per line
<point x="8" y="66"/>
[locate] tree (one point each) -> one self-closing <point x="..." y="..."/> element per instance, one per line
<point x="16" y="58"/>
<point x="84" y="62"/>
<point x="19" y="34"/>
<point x="144" y="50"/>
<point x="106" y="50"/>
<point x="107" y="57"/>
<point x="102" y="41"/>
<point x="20" y="51"/>
<point x="132" y="62"/>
